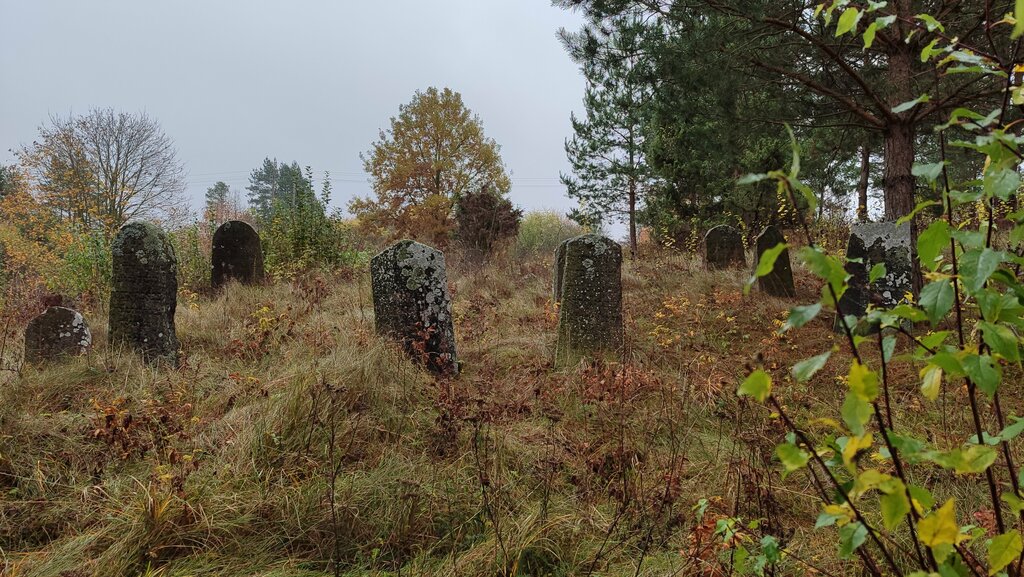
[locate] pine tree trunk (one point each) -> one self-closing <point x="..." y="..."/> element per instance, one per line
<point x="899" y="165"/>
<point x="899" y="134"/>
<point x="862" y="186"/>
<point x="632" y="219"/>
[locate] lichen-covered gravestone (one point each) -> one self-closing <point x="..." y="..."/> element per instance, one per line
<point x="57" y="332"/>
<point x="237" y="254"/>
<point x="144" y="293"/>
<point x="779" y="282"/>
<point x="872" y="244"/>
<point x="411" y="303"/>
<point x="556" y="295"/>
<point x="590" y="317"/>
<point x="723" y="247"/>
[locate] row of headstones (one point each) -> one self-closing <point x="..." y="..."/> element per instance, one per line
<point x="870" y="244"/>
<point x="144" y="292"/>
<point x="410" y="290"/>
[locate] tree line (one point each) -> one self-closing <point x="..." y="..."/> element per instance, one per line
<point x="682" y="98"/>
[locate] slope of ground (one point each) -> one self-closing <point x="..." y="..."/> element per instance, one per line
<point x="293" y="437"/>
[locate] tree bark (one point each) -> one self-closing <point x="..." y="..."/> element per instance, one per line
<point x="632" y="219"/>
<point x="900" y="128"/>
<point x="862" y="186"/>
<point x="899" y="165"/>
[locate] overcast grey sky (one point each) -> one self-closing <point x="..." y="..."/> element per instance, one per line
<point x="308" y="80"/>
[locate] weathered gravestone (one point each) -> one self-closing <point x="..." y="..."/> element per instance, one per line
<point x="237" y="254"/>
<point x="411" y="303"/>
<point x="779" y="282"/>
<point x="872" y="244"/>
<point x="723" y="246"/>
<point x="590" y="318"/>
<point x="559" y="269"/>
<point x="57" y="332"/>
<point x="144" y="294"/>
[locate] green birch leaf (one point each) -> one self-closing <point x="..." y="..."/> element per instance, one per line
<point x="937" y="299"/>
<point x="895" y="507"/>
<point x="851" y="537"/>
<point x="805" y="369"/>
<point x="1002" y="340"/>
<point x="800" y="316"/>
<point x="1003" y="550"/>
<point x="911" y="104"/>
<point x="758" y="385"/>
<point x="847" y="21"/>
<point x="877" y="272"/>
<point x="931" y="242"/>
<point x="984" y="372"/>
<point x="793" y="458"/>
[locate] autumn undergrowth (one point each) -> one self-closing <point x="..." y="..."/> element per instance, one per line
<point x="295" y="441"/>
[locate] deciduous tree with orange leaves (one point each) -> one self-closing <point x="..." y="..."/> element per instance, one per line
<point x="434" y="153"/>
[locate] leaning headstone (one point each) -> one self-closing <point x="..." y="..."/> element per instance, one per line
<point x="590" y="318"/>
<point x="56" y="333"/>
<point x="871" y="244"/>
<point x="723" y="247"/>
<point x="144" y="293"/>
<point x="779" y="282"/>
<point x="411" y="303"/>
<point x="556" y="295"/>
<point x="237" y="254"/>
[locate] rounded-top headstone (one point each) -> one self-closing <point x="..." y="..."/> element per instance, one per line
<point x="870" y="244"/>
<point x="144" y="294"/>
<point x="723" y="247"/>
<point x="590" y="317"/>
<point x="778" y="282"/>
<point x="411" y="303"/>
<point x="58" y="332"/>
<point x="237" y="254"/>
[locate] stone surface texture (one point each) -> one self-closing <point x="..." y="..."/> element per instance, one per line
<point x="723" y="246"/>
<point x="58" y="332"/>
<point x="590" y="317"/>
<point x="556" y="292"/>
<point x="143" y="298"/>
<point x="779" y="282"/>
<point x="237" y="254"/>
<point x="873" y="243"/>
<point x="411" y="303"/>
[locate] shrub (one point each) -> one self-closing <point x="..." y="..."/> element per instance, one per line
<point x="483" y="220"/>
<point x="542" y="232"/>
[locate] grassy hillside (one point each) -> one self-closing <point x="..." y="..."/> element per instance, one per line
<point x="293" y="437"/>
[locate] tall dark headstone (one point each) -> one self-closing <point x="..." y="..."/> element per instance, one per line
<point x="56" y="333"/>
<point x="556" y="295"/>
<point x="723" y="246"/>
<point x="871" y="244"/>
<point x="237" y="254"/>
<point x="779" y="282"/>
<point x="143" y="298"/>
<point x="411" y="303"/>
<point x="590" y="318"/>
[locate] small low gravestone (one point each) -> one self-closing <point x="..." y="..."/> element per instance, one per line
<point x="779" y="282"/>
<point x="144" y="294"/>
<point x="559" y="269"/>
<point x="237" y="254"/>
<point x="871" y="244"/>
<point x="723" y="247"/>
<point x="411" y="303"/>
<point x="57" y="332"/>
<point x="590" y="318"/>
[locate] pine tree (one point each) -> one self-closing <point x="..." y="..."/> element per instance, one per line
<point x="216" y="201"/>
<point x="610" y="173"/>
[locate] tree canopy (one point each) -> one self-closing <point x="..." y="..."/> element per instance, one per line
<point x="433" y="153"/>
